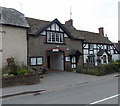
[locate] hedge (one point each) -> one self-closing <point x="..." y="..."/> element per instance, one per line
<point x="102" y="70"/>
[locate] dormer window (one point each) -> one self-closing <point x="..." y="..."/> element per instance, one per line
<point x="54" y="37"/>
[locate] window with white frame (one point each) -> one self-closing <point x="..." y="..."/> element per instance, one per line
<point x="91" y="46"/>
<point x="91" y="59"/>
<point x="74" y="64"/>
<point x="54" y="37"/>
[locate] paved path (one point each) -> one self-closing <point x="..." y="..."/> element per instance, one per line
<point x="54" y="80"/>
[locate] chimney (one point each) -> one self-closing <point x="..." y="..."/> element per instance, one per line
<point x="69" y="22"/>
<point x="101" y="31"/>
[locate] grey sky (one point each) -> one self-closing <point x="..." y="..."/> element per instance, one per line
<point x="87" y="15"/>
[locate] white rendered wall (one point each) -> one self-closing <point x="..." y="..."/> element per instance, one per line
<point x="14" y="44"/>
<point x="106" y="58"/>
<point x="115" y="57"/>
<point x="1" y="46"/>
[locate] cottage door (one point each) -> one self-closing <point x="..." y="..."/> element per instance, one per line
<point x="48" y="62"/>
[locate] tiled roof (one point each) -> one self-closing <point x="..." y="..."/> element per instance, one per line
<point x="9" y="16"/>
<point x="74" y="33"/>
<point x="89" y="37"/>
<point x="35" y="25"/>
<point x="118" y="46"/>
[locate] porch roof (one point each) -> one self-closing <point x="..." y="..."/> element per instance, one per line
<point x="75" y="53"/>
<point x="100" y="53"/>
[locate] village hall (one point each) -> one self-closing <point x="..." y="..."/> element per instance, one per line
<point x="51" y="44"/>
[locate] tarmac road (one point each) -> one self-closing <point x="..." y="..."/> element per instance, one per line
<point x="98" y="92"/>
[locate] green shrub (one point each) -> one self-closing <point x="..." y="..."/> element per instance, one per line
<point x="14" y="68"/>
<point x="118" y="61"/>
<point x="102" y="70"/>
<point x="5" y="70"/>
<point x="112" y="67"/>
<point x="22" y="71"/>
<point x="92" y="72"/>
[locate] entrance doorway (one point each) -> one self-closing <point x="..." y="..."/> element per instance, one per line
<point x="48" y="62"/>
<point x="55" y="60"/>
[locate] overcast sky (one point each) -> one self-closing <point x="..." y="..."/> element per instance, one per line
<point x="87" y="15"/>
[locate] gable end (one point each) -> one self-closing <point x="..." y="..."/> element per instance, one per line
<point x="49" y="25"/>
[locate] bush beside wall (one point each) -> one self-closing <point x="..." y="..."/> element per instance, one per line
<point x="101" y="70"/>
<point x="13" y="74"/>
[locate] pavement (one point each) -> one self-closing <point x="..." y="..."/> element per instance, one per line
<point x="52" y="81"/>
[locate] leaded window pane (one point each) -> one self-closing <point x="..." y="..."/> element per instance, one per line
<point x="61" y="37"/>
<point x="57" y="37"/>
<point x="54" y="37"/>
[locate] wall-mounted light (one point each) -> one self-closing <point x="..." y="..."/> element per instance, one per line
<point x="57" y="46"/>
<point x="67" y="48"/>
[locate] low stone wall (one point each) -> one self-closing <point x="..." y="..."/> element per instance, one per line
<point x="20" y="80"/>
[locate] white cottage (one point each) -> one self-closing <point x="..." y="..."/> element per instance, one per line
<point x="97" y="48"/>
<point x="13" y="36"/>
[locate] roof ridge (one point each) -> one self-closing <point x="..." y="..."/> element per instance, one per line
<point x="37" y="19"/>
<point x="88" y="31"/>
<point x="11" y="9"/>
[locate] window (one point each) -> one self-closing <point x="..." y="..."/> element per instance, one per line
<point x="91" y="59"/>
<point x="34" y="61"/>
<point x="91" y="46"/>
<point x="54" y="37"/>
<point x="74" y="64"/>
<point x="105" y="47"/>
<point x="108" y="47"/>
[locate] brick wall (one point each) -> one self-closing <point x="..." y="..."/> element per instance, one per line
<point x="38" y="47"/>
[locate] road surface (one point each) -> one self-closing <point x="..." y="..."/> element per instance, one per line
<point x="98" y="92"/>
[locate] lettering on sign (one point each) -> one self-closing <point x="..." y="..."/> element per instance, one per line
<point x="55" y="50"/>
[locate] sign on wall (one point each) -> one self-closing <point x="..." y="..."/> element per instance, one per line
<point x="33" y="61"/>
<point x="36" y="61"/>
<point x="39" y="61"/>
<point x="67" y="59"/>
<point x="55" y="50"/>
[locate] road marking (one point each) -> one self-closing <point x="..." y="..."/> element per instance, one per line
<point x="104" y="99"/>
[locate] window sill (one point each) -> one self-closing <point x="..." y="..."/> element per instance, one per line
<point x="55" y="43"/>
<point x="36" y="65"/>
